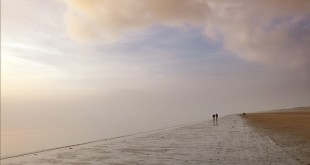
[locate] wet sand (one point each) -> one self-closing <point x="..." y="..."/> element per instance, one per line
<point x="289" y="129"/>
<point x="230" y="140"/>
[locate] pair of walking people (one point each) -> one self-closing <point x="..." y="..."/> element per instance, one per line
<point x="215" y="116"/>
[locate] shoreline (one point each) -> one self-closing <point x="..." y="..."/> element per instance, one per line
<point x="230" y="140"/>
<point x="97" y="141"/>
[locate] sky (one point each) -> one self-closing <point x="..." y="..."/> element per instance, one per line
<point x="150" y="63"/>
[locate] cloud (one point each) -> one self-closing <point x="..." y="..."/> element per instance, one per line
<point x="109" y="20"/>
<point x="268" y="32"/>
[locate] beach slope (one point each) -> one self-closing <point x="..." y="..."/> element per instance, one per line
<point x="288" y="128"/>
<point x="230" y="140"/>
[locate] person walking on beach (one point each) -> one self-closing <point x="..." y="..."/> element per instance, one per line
<point x="213" y="117"/>
<point x="216" y="116"/>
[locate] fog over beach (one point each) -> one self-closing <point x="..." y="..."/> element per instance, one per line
<point x="74" y="71"/>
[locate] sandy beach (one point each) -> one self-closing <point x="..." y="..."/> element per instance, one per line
<point x="230" y="140"/>
<point x="289" y="129"/>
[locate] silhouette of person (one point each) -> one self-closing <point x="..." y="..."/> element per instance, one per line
<point x="213" y="117"/>
<point x="216" y="116"/>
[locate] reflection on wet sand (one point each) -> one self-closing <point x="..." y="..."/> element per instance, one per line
<point x="231" y="142"/>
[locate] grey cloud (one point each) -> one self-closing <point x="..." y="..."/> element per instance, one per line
<point x="257" y="31"/>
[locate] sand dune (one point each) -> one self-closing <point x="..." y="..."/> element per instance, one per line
<point x="229" y="141"/>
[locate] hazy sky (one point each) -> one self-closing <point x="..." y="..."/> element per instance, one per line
<point x="151" y="61"/>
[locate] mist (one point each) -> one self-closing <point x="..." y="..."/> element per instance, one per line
<point x="75" y="71"/>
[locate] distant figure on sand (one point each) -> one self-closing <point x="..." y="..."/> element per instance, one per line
<point x="213" y="117"/>
<point x="216" y="115"/>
